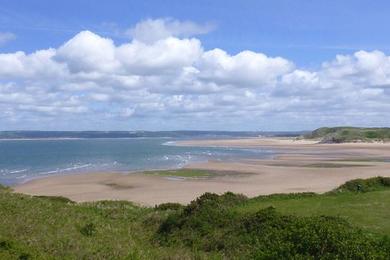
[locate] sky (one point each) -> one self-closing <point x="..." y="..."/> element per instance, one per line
<point x="199" y="65"/>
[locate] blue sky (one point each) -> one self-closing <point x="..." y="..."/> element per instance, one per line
<point x="305" y="34"/>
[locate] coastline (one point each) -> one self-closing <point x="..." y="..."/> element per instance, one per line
<point x="301" y="166"/>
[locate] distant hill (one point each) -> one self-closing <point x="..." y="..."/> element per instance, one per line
<point x="349" y="134"/>
<point x="138" y="134"/>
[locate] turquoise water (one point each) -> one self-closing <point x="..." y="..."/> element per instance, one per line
<point x="22" y="160"/>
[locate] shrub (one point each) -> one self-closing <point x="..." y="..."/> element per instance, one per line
<point x="5" y="245"/>
<point x="364" y="185"/>
<point x="273" y="235"/>
<point x="208" y="200"/>
<point x="10" y="249"/>
<point x="199" y="219"/>
<point x="24" y="256"/>
<point x="88" y="230"/>
<point x="208" y="224"/>
<point x="56" y="199"/>
<point x="169" y="206"/>
<point x="283" y="196"/>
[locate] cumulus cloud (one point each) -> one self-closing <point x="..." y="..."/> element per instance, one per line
<point x="151" y="30"/>
<point x="88" y="52"/>
<point x="244" y="69"/>
<point x="165" y="55"/>
<point x="171" y="81"/>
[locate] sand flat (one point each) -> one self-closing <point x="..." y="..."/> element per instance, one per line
<point x="300" y="166"/>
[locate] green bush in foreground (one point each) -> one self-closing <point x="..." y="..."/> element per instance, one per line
<point x="228" y="226"/>
<point x="207" y="224"/>
<point x="169" y="206"/>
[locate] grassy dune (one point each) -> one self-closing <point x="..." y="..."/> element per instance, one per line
<point x="349" y="134"/>
<point x="350" y="222"/>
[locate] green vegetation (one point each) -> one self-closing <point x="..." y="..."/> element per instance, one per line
<point x="334" y="165"/>
<point x="365" y="185"/>
<point x="208" y="224"/>
<point x="349" y="134"/>
<point x="350" y="222"/>
<point x="169" y="206"/>
<point x="4" y="188"/>
<point x="186" y="173"/>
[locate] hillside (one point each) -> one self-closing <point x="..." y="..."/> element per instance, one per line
<point x="348" y="223"/>
<point x="349" y="134"/>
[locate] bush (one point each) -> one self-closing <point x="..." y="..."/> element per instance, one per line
<point x="88" y="230"/>
<point x="364" y="185"/>
<point x="284" y="196"/>
<point x="59" y="199"/>
<point x="199" y="219"/>
<point x="209" y="224"/>
<point x="24" y="256"/>
<point x="208" y="200"/>
<point x="169" y="206"/>
<point x="15" y="250"/>
<point x="5" y="245"/>
<point x="273" y="235"/>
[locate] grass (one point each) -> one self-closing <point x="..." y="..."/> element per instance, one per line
<point x="42" y="228"/>
<point x="185" y="173"/>
<point x="349" y="134"/>
<point x="347" y="201"/>
<point x="214" y="223"/>
<point x="369" y="211"/>
<point x="333" y="165"/>
<point x="211" y="227"/>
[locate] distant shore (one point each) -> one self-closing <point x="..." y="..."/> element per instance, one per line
<point x="300" y="166"/>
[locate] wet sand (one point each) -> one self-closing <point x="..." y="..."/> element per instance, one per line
<point x="299" y="167"/>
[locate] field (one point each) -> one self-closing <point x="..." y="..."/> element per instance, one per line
<point x="276" y="226"/>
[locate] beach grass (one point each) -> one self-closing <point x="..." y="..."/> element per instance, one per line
<point x="369" y="211"/>
<point x="55" y="227"/>
<point x="185" y="173"/>
<point x="334" y="165"/>
<point x="43" y="228"/>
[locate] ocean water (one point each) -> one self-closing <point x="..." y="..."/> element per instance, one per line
<point x="22" y="160"/>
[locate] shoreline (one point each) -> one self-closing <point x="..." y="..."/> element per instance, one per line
<point x="300" y="166"/>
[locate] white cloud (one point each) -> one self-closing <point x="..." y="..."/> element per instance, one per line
<point x="88" y="52"/>
<point x="245" y="69"/>
<point x="162" y="56"/>
<point x="39" y="65"/>
<point x="172" y="82"/>
<point x="372" y="68"/>
<point x="152" y="30"/>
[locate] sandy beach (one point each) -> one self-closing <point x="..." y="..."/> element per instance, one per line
<point x="298" y="166"/>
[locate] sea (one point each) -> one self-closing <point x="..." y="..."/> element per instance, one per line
<point x="24" y="160"/>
